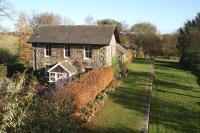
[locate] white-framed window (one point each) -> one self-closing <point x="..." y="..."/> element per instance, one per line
<point x="88" y="51"/>
<point x="59" y="75"/>
<point x="67" y="51"/>
<point x="52" y="77"/>
<point x="47" y="50"/>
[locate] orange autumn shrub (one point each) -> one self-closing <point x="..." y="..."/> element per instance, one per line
<point x="83" y="90"/>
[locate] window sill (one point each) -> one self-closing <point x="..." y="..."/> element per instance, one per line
<point x="67" y="57"/>
<point x="86" y="59"/>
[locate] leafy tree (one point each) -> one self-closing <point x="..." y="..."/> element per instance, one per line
<point x="147" y="38"/>
<point x="169" y="42"/>
<point x="144" y="29"/>
<point x="189" y="44"/>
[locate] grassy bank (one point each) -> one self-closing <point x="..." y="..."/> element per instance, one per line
<point x="10" y="42"/>
<point x="176" y="100"/>
<point x="123" y="110"/>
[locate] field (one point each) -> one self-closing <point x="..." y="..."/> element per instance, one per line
<point x="175" y="105"/>
<point x="123" y="110"/>
<point x="10" y="42"/>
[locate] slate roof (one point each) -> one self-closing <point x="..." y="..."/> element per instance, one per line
<point x="76" y="34"/>
<point x="69" y="66"/>
<point x="66" y="65"/>
<point x="121" y="48"/>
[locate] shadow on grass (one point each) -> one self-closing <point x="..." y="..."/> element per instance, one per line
<point x="120" y="129"/>
<point x="142" y="61"/>
<point x="169" y="64"/>
<point x="172" y="85"/>
<point x="173" y="116"/>
<point x="170" y="114"/>
<point x="131" y="94"/>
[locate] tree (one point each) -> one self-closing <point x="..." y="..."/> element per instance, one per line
<point x="44" y="19"/>
<point x="189" y="44"/>
<point x="169" y="42"/>
<point x="146" y="37"/>
<point x="144" y="29"/>
<point x="110" y="22"/>
<point x="5" y="9"/>
<point x="24" y="31"/>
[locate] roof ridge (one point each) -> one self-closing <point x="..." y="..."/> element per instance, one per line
<point x="78" y="26"/>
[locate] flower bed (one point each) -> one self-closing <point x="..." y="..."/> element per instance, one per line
<point x="81" y="91"/>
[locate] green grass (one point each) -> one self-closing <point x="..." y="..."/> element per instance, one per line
<point x="123" y="110"/>
<point x="175" y="104"/>
<point x="10" y="42"/>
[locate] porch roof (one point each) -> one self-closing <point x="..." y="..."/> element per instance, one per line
<point x="65" y="65"/>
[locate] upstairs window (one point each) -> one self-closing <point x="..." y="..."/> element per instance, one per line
<point x="67" y="51"/>
<point x="48" y="50"/>
<point x="88" y="51"/>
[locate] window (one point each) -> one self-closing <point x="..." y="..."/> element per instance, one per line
<point x="67" y="51"/>
<point x="48" y="50"/>
<point x="59" y="75"/>
<point x="52" y="77"/>
<point x="88" y="51"/>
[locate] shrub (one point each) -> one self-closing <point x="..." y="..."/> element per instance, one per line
<point x="129" y="56"/>
<point x="3" y="70"/>
<point x="116" y="65"/>
<point x="12" y="68"/>
<point x="7" y="57"/>
<point x="81" y="91"/>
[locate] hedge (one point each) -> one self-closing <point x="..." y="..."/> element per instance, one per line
<point x="83" y="90"/>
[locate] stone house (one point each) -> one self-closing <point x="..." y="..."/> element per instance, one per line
<point x="121" y="52"/>
<point x="59" y="52"/>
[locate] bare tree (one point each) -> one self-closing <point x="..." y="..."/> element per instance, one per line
<point x="125" y="26"/>
<point x="5" y="9"/>
<point x="44" y="19"/>
<point x="90" y="20"/>
<point x="24" y="31"/>
<point x="22" y="23"/>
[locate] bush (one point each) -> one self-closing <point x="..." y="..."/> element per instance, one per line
<point x="81" y="91"/>
<point x="3" y="70"/>
<point x="7" y="57"/>
<point x="129" y="56"/>
<point x="12" y="68"/>
<point x="116" y="65"/>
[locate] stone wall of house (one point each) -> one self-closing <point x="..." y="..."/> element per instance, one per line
<point x="101" y="55"/>
<point x="111" y="51"/>
<point x="76" y="53"/>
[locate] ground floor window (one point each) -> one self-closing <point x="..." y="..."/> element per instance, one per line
<point x="52" y="77"/>
<point x="55" y="76"/>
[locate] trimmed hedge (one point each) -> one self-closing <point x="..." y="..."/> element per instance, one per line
<point x="3" y="70"/>
<point x="81" y="91"/>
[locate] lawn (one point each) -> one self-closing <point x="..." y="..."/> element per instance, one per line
<point x="175" y="105"/>
<point x="123" y="110"/>
<point x="10" y="42"/>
